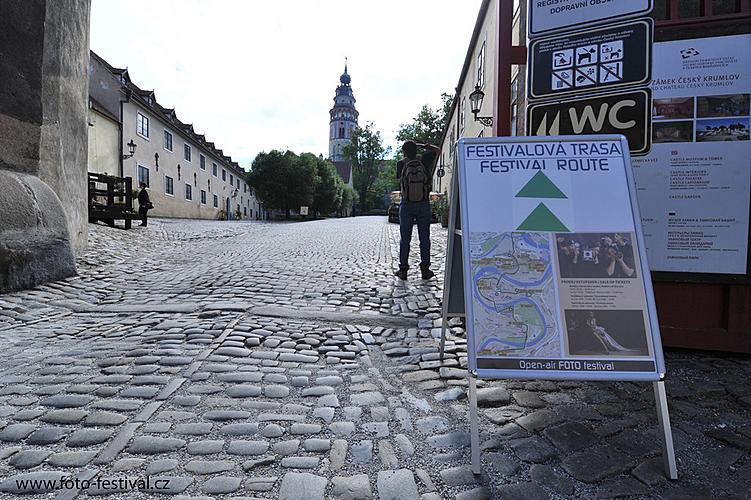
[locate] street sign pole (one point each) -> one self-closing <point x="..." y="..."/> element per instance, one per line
<point x="663" y="420"/>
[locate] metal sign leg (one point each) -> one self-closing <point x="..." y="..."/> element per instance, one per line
<point x="443" y="335"/>
<point x="474" y="424"/>
<point x="663" y="419"/>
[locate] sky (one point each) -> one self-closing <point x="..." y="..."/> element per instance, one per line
<point x="257" y="75"/>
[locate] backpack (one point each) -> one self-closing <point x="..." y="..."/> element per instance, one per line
<point x="415" y="184"/>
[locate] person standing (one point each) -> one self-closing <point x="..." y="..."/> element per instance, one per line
<point x="144" y="203"/>
<point x="415" y="176"/>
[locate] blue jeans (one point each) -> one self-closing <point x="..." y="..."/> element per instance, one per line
<point x="409" y="213"/>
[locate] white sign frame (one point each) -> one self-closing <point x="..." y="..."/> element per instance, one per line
<point x="539" y="23"/>
<point x="651" y="310"/>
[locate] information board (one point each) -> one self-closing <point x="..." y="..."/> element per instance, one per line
<point x="694" y="186"/>
<point x="547" y="16"/>
<point x="555" y="277"/>
<point x="585" y="61"/>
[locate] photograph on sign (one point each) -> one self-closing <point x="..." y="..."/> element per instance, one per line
<point x="693" y="187"/>
<point x="627" y="112"/>
<point x="608" y="57"/>
<point x="555" y="283"/>
<point x="550" y="16"/>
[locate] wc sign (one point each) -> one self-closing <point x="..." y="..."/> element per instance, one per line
<point x="610" y="57"/>
<point x="626" y="113"/>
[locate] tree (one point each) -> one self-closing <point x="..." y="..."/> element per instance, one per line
<point x="328" y="191"/>
<point x="366" y="152"/>
<point x="385" y="184"/>
<point x="283" y="181"/>
<point x="428" y="126"/>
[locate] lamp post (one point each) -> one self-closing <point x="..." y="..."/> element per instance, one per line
<point x="131" y="149"/>
<point x="475" y="103"/>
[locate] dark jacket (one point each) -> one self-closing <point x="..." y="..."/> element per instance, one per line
<point x="143" y="200"/>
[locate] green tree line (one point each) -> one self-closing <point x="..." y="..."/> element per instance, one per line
<point x="284" y="180"/>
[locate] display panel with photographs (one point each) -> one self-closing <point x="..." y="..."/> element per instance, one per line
<point x="722" y="129"/>
<point x="619" y="333"/>
<point x="679" y="131"/>
<point x="673" y="108"/>
<point x="596" y="255"/>
<point x="716" y="106"/>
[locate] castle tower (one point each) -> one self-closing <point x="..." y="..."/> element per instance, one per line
<point x="343" y="117"/>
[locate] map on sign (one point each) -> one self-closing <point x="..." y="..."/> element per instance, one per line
<point x="513" y="294"/>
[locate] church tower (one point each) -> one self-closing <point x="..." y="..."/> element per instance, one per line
<point x="343" y="117"/>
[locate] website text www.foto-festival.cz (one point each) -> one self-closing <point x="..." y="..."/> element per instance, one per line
<point x="99" y="483"/>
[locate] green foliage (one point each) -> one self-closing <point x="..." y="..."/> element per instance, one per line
<point x="385" y="184"/>
<point x="428" y="126"/>
<point x="367" y="153"/>
<point x="284" y="181"/>
<point x="329" y="186"/>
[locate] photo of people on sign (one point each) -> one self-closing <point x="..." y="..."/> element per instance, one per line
<point x="722" y="129"/>
<point x="714" y="118"/>
<point x="606" y="333"/>
<point x="596" y="255"/>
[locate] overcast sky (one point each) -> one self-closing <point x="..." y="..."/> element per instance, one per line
<point x="256" y="75"/>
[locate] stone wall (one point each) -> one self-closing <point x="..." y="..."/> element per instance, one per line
<point x="43" y="142"/>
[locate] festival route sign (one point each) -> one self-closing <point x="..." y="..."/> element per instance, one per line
<point x="610" y="57"/>
<point x="556" y="282"/>
<point x="548" y="16"/>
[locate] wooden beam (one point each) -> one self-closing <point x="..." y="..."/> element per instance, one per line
<point x="502" y="108"/>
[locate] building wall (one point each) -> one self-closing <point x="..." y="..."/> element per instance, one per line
<point x="189" y="172"/>
<point x="104" y="144"/>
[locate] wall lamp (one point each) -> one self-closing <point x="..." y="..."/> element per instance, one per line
<point x="475" y="103"/>
<point x="131" y="149"/>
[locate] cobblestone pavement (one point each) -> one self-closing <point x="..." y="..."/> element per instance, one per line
<point x="282" y="360"/>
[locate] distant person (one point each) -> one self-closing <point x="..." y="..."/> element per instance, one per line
<point x="144" y="203"/>
<point x="415" y="176"/>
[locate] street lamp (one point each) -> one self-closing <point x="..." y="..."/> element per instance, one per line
<point x="475" y="103"/>
<point x="131" y="149"/>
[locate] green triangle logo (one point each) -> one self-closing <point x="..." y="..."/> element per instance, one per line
<point x="542" y="219"/>
<point x="540" y="186"/>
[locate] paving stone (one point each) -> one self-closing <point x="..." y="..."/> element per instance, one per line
<point x="458" y="476"/>
<point x="240" y="377"/>
<point x="317" y="445"/>
<point x="304" y="429"/>
<point x="284" y="448"/>
<point x="428" y="425"/>
<point x="46" y="435"/>
<point x="620" y="488"/>
<point x="449" y="440"/>
<point x="221" y="485"/>
<point x="104" y="418"/>
<point x="203" y="467"/>
<point x="532" y="449"/>
<point x="386" y="454"/>
<point x="117" y="405"/>
<point x="276" y="391"/>
<point x="26" y="459"/>
<point x="362" y="452"/>
<point x="538" y="420"/>
<point x="397" y="485"/>
<point x="193" y="429"/>
<point x="483" y="493"/>
<point x="342" y="429"/>
<point x="544" y="475"/>
<point x="492" y="397"/>
<point x="502" y="416"/>
<point x="452" y="394"/>
<point x="651" y="471"/>
<point x="125" y="464"/>
<point x="205" y="447"/>
<point x="571" y="436"/>
<point x="260" y="483"/>
<point x="272" y="431"/>
<point x="149" y="445"/>
<point x="88" y="437"/>
<point x="243" y="391"/>
<point x="300" y="462"/>
<point x="240" y="429"/>
<point x="241" y="447"/>
<point x="258" y="462"/>
<point x="302" y="486"/>
<point x="596" y="463"/>
<point x="71" y="458"/>
<point x="160" y="466"/>
<point x="355" y="487"/>
<point x="366" y="398"/>
<point x="67" y="400"/>
<point x="338" y="454"/>
<point x="225" y="415"/>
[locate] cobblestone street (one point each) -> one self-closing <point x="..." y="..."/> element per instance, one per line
<point x="284" y="360"/>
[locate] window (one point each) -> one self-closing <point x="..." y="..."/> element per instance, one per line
<point x="341" y="131"/>
<point x="188" y="192"/>
<point x="187" y="152"/>
<point x="462" y="113"/>
<point x="143" y="175"/>
<point x="481" y="66"/>
<point x="203" y="197"/>
<point x="245" y="188"/>
<point x="452" y="140"/>
<point x="169" y="185"/>
<point x="202" y="162"/>
<point x="142" y="126"/>
<point x="216" y="201"/>
<point x="238" y="183"/>
<point x="213" y="169"/>
<point x="224" y="175"/>
<point x="167" y="140"/>
<point x="231" y="180"/>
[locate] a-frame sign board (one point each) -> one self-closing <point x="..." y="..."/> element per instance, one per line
<point x="551" y="288"/>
